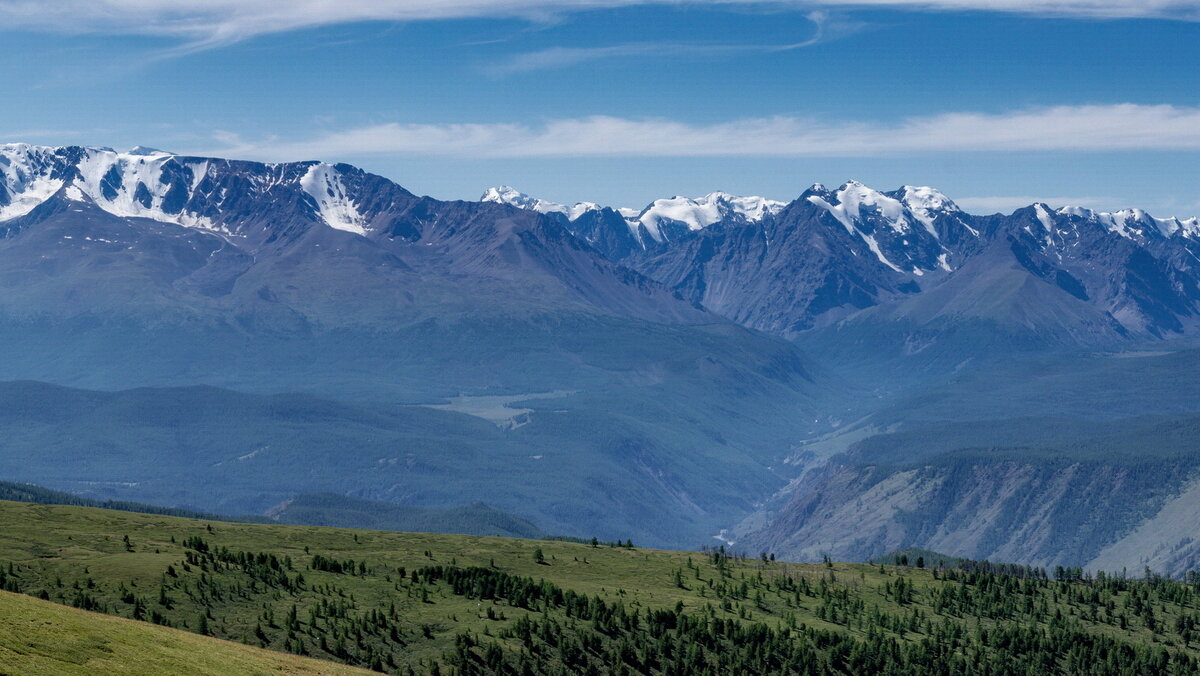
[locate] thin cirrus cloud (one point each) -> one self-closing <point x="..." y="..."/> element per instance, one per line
<point x="825" y="29"/>
<point x="214" y="22"/>
<point x="563" y="57"/>
<point x="1119" y="127"/>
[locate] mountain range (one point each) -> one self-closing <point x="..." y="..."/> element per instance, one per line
<point x="150" y="270"/>
<point x="696" y="366"/>
<point x="854" y="258"/>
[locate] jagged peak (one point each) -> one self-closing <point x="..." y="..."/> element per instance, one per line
<point x="147" y="151"/>
<point x="149" y="183"/>
<point x="695" y="213"/>
<point x="926" y="197"/>
<point x="1134" y="223"/>
<point x="506" y="194"/>
<point x="847" y="203"/>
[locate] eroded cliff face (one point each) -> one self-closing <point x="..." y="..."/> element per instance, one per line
<point x="1107" y="515"/>
<point x="1166" y="542"/>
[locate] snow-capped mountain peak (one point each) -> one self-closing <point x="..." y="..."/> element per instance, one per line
<point x="700" y="212"/>
<point x="846" y="206"/>
<point x="924" y="197"/>
<point x="146" y="150"/>
<point x="508" y="195"/>
<point x="26" y="178"/>
<point x="926" y="204"/>
<point x="141" y="185"/>
<point x="1135" y="223"/>
<point x="656" y="218"/>
<point x="903" y="229"/>
<point x="149" y="183"/>
<point x="852" y="197"/>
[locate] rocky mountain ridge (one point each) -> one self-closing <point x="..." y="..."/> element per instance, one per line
<point x="849" y="259"/>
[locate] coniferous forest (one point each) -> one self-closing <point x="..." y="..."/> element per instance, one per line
<point x="446" y="604"/>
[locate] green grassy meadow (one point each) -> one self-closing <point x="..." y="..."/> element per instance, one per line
<point x="40" y="638"/>
<point x="455" y="604"/>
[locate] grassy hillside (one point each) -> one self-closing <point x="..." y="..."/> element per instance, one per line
<point x="328" y="509"/>
<point x="453" y="604"/>
<point x="915" y="556"/>
<point x="317" y="509"/>
<point x="22" y="492"/>
<point x="39" y="638"/>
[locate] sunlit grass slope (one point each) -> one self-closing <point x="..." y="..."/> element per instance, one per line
<point x="40" y="638"/>
<point x="409" y="603"/>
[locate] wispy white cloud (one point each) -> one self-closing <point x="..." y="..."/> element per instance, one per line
<point x="825" y="29"/>
<point x="205" y="23"/>
<point x="1061" y="128"/>
<point x="1179" y="10"/>
<point x="564" y="57"/>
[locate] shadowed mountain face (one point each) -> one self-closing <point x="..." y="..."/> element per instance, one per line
<point x="211" y="257"/>
<point x="900" y="273"/>
<point x="1110" y="494"/>
<point x="238" y="235"/>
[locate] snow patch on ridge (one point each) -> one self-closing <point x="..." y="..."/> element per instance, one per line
<point x="138" y="192"/>
<point x="1047" y="222"/>
<point x="25" y="181"/>
<point x="1136" y="223"/>
<point x="694" y="213"/>
<point x="853" y="196"/>
<point x="1044" y="217"/>
<point x="838" y="211"/>
<point x="923" y="202"/>
<point x="73" y="193"/>
<point x="700" y="212"/>
<point x="149" y="183"/>
<point x="128" y="185"/>
<point x="508" y="195"/>
<point x="848" y="210"/>
<point x="324" y="184"/>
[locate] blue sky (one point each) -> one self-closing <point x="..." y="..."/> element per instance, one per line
<point x="1094" y="102"/>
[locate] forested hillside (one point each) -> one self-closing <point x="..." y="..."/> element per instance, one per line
<point x="452" y="604"/>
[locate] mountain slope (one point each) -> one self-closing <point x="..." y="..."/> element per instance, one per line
<point x="384" y="249"/>
<point x="119" y="270"/>
<point x="328" y="509"/>
<point x="40" y="638"/>
<point x="444" y="603"/>
<point x="1037" y="491"/>
<point x="909" y="270"/>
<point x="606" y="364"/>
<point x="621" y="233"/>
<point x="133" y="270"/>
